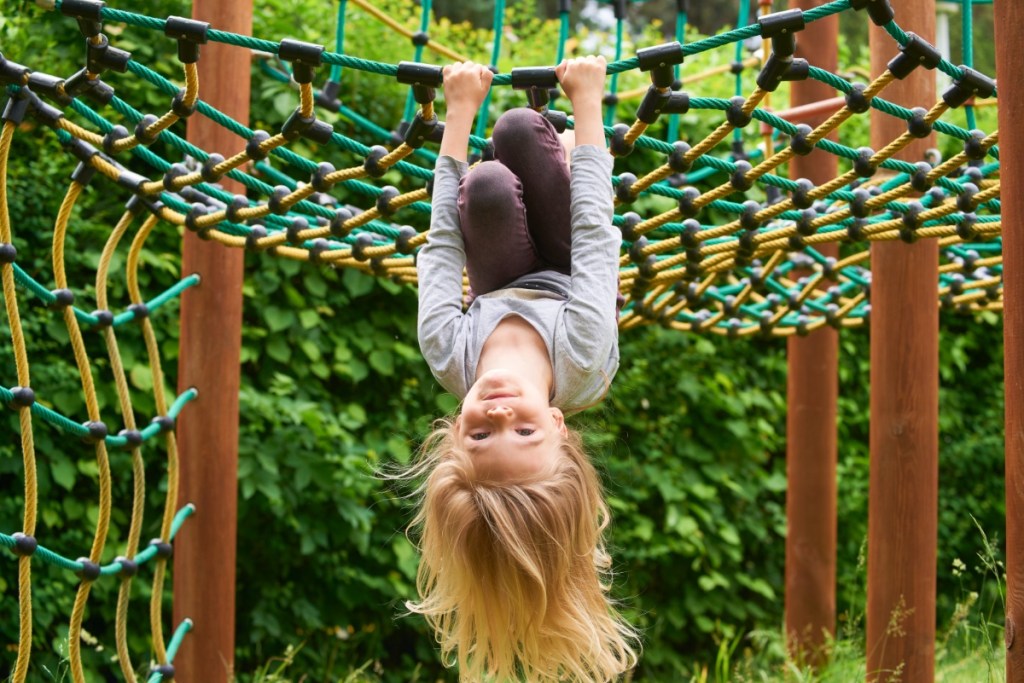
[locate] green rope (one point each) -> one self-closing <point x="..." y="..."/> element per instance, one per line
<point x="339" y="40"/>
<point x="483" y="116"/>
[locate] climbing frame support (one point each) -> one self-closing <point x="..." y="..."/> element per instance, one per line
<point x="1009" y="20"/>
<point x="812" y="390"/>
<point x="903" y="482"/>
<point x="211" y="333"/>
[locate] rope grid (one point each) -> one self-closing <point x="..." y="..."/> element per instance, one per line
<point x="710" y="264"/>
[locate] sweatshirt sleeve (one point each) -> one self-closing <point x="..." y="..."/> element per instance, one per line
<point x="590" y="317"/>
<point x="439" y="266"/>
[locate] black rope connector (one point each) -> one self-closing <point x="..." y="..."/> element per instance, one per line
<point x="89" y="572"/>
<point x="970" y="84"/>
<point x="128" y="567"/>
<point x="100" y="55"/>
<point x="252" y="147"/>
<point x="782" y="68"/>
<point x="165" y="422"/>
<point x="911" y="221"/>
<point x="103" y="317"/>
<point x="178" y="106"/>
<point x="659" y="60"/>
<point x="49" y="86"/>
<point x="974" y="146"/>
<point x="328" y="96"/>
<point x="47" y="114"/>
<point x="318" y="247"/>
<point x="525" y="77"/>
<point x="917" y="125"/>
<point x="628" y="225"/>
<point x="131" y="181"/>
<point x="965" y="228"/>
<point x="12" y="73"/>
<point x="372" y="164"/>
<point x="341" y="216"/>
<point x="304" y="58"/>
<point x="192" y="217"/>
<point x="965" y="201"/>
<point x="190" y="34"/>
<point x="82" y="174"/>
<point x="421" y="130"/>
<point x="919" y="178"/>
<point x="22" y="397"/>
<point x="739" y="179"/>
<point x="748" y="221"/>
<point x="87" y="12"/>
<point x="781" y="28"/>
<point x="677" y="157"/>
<point x="658" y="101"/>
<point x="383" y="204"/>
<point x="297" y="225"/>
<point x="856" y="101"/>
<point x="916" y="52"/>
<point x="173" y="173"/>
<point x="417" y="73"/>
<point x="208" y="170"/>
<point x="97" y="431"/>
<point x="734" y="114"/>
<point x="364" y="241"/>
<point x="62" y="298"/>
<point x="420" y="38"/>
<point x="16" y="108"/>
<point x="804" y="224"/>
<point x="859" y="203"/>
<point x="558" y="119"/>
<point x="165" y="670"/>
<point x="142" y="133"/>
<point x="24" y="545"/>
<point x="8" y="253"/>
<point x="319" y="178"/>
<point x="163" y="549"/>
<point x="862" y="165"/>
<point x="276" y="200"/>
<point x="798" y="140"/>
<point x="855" y="230"/>
<point x="405" y="234"/>
<point x="801" y="195"/>
<point x="610" y="99"/>
<point x="618" y="145"/>
<point x="113" y="135"/>
<point x="623" y="190"/>
<point x="255" y="233"/>
<point x="687" y="202"/>
<point x="132" y="438"/>
<point x="879" y="11"/>
<point x="139" y="311"/>
<point x="309" y="127"/>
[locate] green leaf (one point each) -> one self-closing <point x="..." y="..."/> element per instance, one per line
<point x="278" y="319"/>
<point x="278" y="349"/>
<point x="141" y="377"/>
<point x="382" y="362"/>
<point x="64" y="472"/>
<point x="358" y="284"/>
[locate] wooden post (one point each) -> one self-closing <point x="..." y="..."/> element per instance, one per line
<point x="1009" y="20"/>
<point x="812" y="388"/>
<point x="211" y="334"/>
<point x="903" y="483"/>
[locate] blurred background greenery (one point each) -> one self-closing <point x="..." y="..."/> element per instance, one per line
<point x="691" y="441"/>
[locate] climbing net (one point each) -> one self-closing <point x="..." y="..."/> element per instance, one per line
<point x="758" y="270"/>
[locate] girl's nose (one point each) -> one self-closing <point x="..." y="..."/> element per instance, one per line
<point x="500" y="413"/>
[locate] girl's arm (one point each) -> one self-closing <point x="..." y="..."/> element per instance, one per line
<point x="441" y="260"/>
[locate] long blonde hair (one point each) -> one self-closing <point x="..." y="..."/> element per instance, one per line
<point x="514" y="576"/>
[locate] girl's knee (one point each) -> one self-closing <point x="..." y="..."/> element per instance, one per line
<point x="518" y="124"/>
<point x="490" y="186"/>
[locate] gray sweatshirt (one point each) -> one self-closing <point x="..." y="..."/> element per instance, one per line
<point x="580" y="330"/>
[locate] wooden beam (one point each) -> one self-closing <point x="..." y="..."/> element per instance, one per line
<point x="903" y="483"/>
<point x="211" y="325"/>
<point x="812" y="390"/>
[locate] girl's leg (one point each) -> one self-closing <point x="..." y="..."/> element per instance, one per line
<point x="493" y="222"/>
<point x="527" y="143"/>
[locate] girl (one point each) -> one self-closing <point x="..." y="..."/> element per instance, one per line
<point x="512" y="517"/>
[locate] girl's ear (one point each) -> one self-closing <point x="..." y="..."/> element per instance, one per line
<point x="458" y="423"/>
<point x="556" y="413"/>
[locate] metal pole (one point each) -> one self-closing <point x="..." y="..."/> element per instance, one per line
<point x="812" y="390"/>
<point x="903" y="482"/>
<point x="211" y="325"/>
<point x="1009" y="20"/>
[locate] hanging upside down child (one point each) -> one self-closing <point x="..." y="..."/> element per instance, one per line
<point x="514" y="573"/>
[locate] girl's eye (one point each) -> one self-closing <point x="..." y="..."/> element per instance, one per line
<point x="524" y="432"/>
<point x="479" y="436"/>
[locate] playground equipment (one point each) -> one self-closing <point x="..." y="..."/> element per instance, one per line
<point x="771" y="266"/>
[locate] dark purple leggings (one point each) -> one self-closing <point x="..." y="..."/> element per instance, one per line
<point x="514" y="211"/>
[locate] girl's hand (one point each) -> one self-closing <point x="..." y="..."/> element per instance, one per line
<point x="465" y="86"/>
<point x="582" y="79"/>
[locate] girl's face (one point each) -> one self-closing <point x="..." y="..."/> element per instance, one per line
<point x="508" y="427"/>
